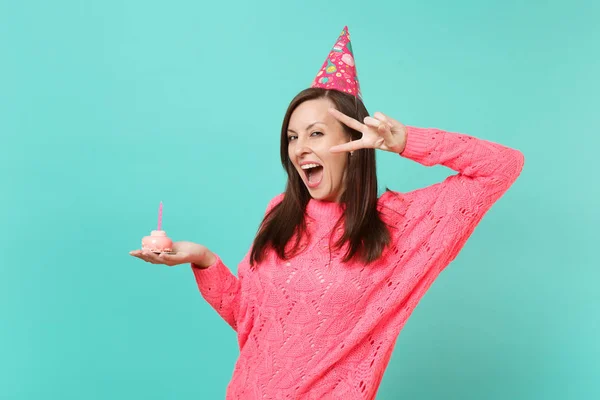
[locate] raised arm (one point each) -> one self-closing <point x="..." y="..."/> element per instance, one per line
<point x="437" y="220"/>
<point x="485" y="169"/>
<point x="450" y="210"/>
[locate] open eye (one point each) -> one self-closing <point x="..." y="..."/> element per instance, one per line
<point x="292" y="137"/>
<point x="318" y="133"/>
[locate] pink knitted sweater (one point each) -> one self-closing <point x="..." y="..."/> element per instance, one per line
<point x="313" y="327"/>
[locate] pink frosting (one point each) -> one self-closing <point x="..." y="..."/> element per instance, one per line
<point x="157" y="241"/>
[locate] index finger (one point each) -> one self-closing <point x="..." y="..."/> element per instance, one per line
<point x="346" y="120"/>
<point x="349" y="146"/>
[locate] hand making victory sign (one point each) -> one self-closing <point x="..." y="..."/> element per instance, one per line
<point x="380" y="132"/>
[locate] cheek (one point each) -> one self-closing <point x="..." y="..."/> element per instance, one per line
<point x="338" y="165"/>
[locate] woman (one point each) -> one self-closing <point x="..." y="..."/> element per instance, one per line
<point x="334" y="271"/>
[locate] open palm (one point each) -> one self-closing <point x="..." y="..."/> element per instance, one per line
<point x="183" y="253"/>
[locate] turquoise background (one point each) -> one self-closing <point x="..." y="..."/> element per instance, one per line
<point x="108" y="108"/>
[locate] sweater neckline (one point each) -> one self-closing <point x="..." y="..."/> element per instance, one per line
<point x="324" y="209"/>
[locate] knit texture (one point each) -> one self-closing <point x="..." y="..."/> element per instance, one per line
<point x="313" y="327"/>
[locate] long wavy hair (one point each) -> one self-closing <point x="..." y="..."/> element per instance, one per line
<point x="364" y="230"/>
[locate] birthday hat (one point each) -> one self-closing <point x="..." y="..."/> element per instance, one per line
<point x="338" y="71"/>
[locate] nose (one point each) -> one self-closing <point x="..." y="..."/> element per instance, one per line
<point x="301" y="148"/>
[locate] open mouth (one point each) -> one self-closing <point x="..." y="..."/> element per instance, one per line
<point x="313" y="174"/>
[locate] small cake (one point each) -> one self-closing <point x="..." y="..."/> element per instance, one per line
<point x="157" y="242"/>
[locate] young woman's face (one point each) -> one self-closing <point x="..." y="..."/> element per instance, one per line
<point x="312" y="131"/>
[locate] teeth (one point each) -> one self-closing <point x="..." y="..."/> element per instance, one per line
<point x="308" y="166"/>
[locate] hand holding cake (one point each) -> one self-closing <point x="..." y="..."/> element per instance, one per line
<point x="158" y="241"/>
<point x="158" y="248"/>
<point x="183" y="253"/>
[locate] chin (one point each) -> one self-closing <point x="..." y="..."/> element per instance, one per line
<point x="315" y="193"/>
<point x="320" y="195"/>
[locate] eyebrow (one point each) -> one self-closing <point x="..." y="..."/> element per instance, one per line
<point x="309" y="126"/>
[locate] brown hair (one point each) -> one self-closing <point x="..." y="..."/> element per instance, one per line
<point x="365" y="232"/>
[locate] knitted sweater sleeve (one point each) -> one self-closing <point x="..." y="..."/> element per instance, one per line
<point x="443" y="216"/>
<point x="221" y="288"/>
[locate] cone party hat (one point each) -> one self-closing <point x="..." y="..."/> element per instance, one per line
<point x="339" y="70"/>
